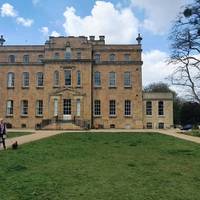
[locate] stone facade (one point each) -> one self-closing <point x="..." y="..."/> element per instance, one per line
<point x="74" y="80"/>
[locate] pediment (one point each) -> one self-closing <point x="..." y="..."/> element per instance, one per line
<point x="64" y="90"/>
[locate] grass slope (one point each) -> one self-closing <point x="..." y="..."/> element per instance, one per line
<point x="103" y="166"/>
<point x="17" y="134"/>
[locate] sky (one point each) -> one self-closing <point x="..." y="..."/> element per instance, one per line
<point x="33" y="21"/>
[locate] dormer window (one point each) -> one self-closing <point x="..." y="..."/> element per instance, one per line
<point x="68" y="53"/>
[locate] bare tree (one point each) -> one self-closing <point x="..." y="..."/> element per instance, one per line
<point x="185" y="50"/>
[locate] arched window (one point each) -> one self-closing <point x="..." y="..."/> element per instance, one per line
<point x="97" y="79"/>
<point x="11" y="59"/>
<point x="11" y="80"/>
<point x="56" y="78"/>
<point x="40" y="79"/>
<point x="68" y="53"/>
<point x="26" y="59"/>
<point x="78" y="78"/>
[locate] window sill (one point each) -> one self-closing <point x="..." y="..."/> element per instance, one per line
<point x="97" y="116"/>
<point x="25" y="87"/>
<point x="112" y="87"/>
<point x="39" y="116"/>
<point x="56" y="86"/>
<point x="128" y="116"/>
<point x="24" y="116"/>
<point x="113" y="116"/>
<point x="9" y="115"/>
<point x="40" y="87"/>
<point x="162" y="116"/>
<point x="97" y="87"/>
<point x="79" y="86"/>
<point x="11" y="87"/>
<point x="128" y="87"/>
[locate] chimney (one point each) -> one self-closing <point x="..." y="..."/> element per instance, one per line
<point x="92" y="38"/>
<point x="101" y="37"/>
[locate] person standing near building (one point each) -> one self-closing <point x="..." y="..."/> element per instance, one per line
<point x="2" y="133"/>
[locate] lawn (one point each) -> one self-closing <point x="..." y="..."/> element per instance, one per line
<point x="103" y="166"/>
<point x="17" y="134"/>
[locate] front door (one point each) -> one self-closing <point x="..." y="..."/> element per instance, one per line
<point x="67" y="111"/>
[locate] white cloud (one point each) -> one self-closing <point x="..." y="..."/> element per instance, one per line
<point x="7" y="10"/>
<point x="35" y="2"/>
<point x="155" y="67"/>
<point x="24" y="22"/>
<point x="45" y="31"/>
<point x="55" y="34"/>
<point x="119" y="25"/>
<point x="159" y="14"/>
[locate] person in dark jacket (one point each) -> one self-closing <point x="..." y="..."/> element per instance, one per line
<point x="2" y="133"/>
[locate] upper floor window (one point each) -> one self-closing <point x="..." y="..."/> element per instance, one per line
<point x="127" y="57"/>
<point x="78" y="55"/>
<point x="40" y="57"/>
<point x="26" y="59"/>
<point x="160" y="108"/>
<point x="39" y="107"/>
<point x="56" y="78"/>
<point x="24" y="107"/>
<point x="9" y="107"/>
<point x="112" y="79"/>
<point x="112" y="57"/>
<point x="68" y="77"/>
<point x="127" y="108"/>
<point x="78" y="78"/>
<point x="127" y="79"/>
<point x="40" y="79"/>
<point x="97" y="79"/>
<point x="97" y="107"/>
<point x="68" y="53"/>
<point x="148" y="108"/>
<point x="25" y="79"/>
<point x="56" y="55"/>
<point x="11" y="80"/>
<point x="112" y="107"/>
<point x="97" y="57"/>
<point x="11" y="59"/>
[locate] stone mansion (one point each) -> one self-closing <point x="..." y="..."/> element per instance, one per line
<point x="78" y="82"/>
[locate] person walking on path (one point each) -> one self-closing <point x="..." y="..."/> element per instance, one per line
<point x="2" y="133"/>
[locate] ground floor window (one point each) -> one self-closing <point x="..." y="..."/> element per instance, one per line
<point x="67" y="107"/>
<point x="39" y="107"/>
<point x="97" y="107"/>
<point x="161" y="125"/>
<point x="127" y="108"/>
<point x="112" y="125"/>
<point x="112" y="108"/>
<point x="149" y="125"/>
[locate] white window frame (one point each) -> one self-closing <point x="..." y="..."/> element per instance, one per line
<point x="112" y="107"/>
<point x="11" y="80"/>
<point x="9" y="107"/>
<point x="11" y="59"/>
<point x="25" y="79"/>
<point x="78" y="107"/>
<point x="26" y="59"/>
<point x="24" y="107"/>
<point x="112" y="79"/>
<point x="68" y="77"/>
<point x="97" y="107"/>
<point x="78" y="78"/>
<point x="97" y="79"/>
<point x="40" y="79"/>
<point x="127" y="107"/>
<point x="39" y="108"/>
<point x="56" y="78"/>
<point x="112" y="57"/>
<point x="161" y="108"/>
<point x="127" y="79"/>
<point x="149" y="108"/>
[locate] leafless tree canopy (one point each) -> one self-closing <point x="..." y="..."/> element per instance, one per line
<point x="185" y="50"/>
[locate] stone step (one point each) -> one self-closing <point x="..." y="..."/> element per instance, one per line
<point x="62" y="126"/>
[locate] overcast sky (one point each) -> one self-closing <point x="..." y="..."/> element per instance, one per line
<point x="32" y="21"/>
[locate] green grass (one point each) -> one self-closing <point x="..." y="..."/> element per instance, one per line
<point x="17" y="134"/>
<point x="103" y="166"/>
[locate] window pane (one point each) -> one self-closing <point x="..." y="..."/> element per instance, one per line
<point x="26" y="59"/>
<point x="127" y="57"/>
<point x="39" y="107"/>
<point x="160" y="108"/>
<point x="112" y="107"/>
<point x="11" y="79"/>
<point x="78" y="107"/>
<point x="127" y="79"/>
<point x="112" y="57"/>
<point x="25" y="79"/>
<point x="11" y="59"/>
<point x="112" y="79"/>
<point x="40" y="81"/>
<point x="56" y="78"/>
<point x="78" y="55"/>
<point x="24" y="107"/>
<point x="67" y="106"/>
<point x="68" y="53"/>
<point x="97" y="58"/>
<point x="97" y="107"/>
<point x="78" y="77"/>
<point x="56" y="55"/>
<point x="148" y="108"/>
<point x="9" y="107"/>
<point x="97" y="78"/>
<point x="127" y="108"/>
<point x="68" y="77"/>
